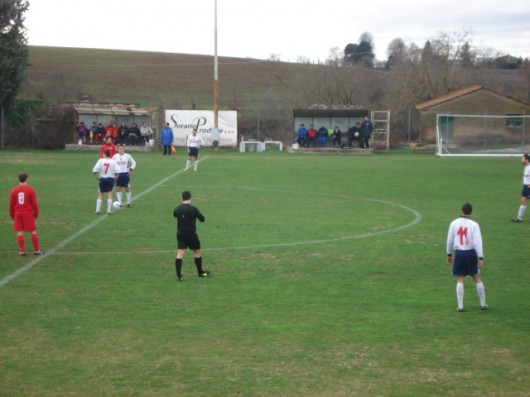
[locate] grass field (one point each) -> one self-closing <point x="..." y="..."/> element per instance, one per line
<point x="329" y="279"/>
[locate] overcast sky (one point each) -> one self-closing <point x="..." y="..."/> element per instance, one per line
<point x="289" y="29"/>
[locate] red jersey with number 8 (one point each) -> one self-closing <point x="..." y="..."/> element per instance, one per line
<point x="23" y="199"/>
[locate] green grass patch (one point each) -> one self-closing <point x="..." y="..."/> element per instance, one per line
<point x="329" y="279"/>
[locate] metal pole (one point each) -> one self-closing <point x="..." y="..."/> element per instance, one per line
<point x="215" y="76"/>
<point x="259" y="133"/>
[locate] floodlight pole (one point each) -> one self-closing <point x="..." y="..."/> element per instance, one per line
<point x="215" y="76"/>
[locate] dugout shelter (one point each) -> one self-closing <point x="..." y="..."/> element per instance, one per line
<point x="104" y="113"/>
<point x="329" y="118"/>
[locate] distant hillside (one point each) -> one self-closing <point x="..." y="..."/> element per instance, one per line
<point x="162" y="79"/>
<point x="263" y="92"/>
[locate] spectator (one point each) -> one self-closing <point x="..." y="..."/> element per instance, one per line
<point x="111" y="131"/>
<point x="146" y="133"/>
<point x="312" y="136"/>
<point x="322" y="136"/>
<point x="357" y="135"/>
<point x="81" y="132"/>
<point x="301" y="135"/>
<point x="336" y="136"/>
<point x="134" y="135"/>
<point x="123" y="133"/>
<point x="166" y="139"/>
<point x="367" y="129"/>
<point x="354" y="134"/>
<point x="92" y="132"/>
<point x="100" y="133"/>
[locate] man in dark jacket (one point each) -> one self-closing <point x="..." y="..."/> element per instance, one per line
<point x="367" y="129"/>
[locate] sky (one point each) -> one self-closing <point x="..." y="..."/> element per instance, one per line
<point x="288" y="30"/>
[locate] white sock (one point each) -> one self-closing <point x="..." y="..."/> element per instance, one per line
<point x="522" y="209"/>
<point x="481" y="291"/>
<point x="187" y="164"/>
<point x="109" y="206"/>
<point x="129" y="197"/>
<point x="195" y="165"/>
<point x="460" y="295"/>
<point x="98" y="205"/>
<point x="119" y="196"/>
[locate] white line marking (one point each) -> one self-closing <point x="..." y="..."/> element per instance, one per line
<point x="90" y="226"/>
<point x="417" y="219"/>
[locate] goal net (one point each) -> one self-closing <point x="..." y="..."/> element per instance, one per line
<point x="482" y="135"/>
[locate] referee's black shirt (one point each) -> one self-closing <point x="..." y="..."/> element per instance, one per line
<point x="186" y="215"/>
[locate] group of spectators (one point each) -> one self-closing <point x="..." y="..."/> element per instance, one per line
<point x="98" y="134"/>
<point x="360" y="132"/>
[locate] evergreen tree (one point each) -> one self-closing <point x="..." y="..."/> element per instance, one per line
<point x="13" y="49"/>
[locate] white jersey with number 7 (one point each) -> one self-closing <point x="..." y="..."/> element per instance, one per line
<point x="106" y="168"/>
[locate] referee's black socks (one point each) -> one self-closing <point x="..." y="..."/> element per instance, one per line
<point x="198" y="264"/>
<point x="178" y="267"/>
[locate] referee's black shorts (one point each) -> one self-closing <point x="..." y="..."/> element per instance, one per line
<point x="185" y="240"/>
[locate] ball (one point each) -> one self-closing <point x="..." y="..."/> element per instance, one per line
<point x="116" y="204"/>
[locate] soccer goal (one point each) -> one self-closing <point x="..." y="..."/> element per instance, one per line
<point x="482" y="135"/>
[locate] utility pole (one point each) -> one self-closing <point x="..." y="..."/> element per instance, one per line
<point x="215" y="76"/>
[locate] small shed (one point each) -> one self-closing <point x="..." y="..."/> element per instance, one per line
<point x="473" y="100"/>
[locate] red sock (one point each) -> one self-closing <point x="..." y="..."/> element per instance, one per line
<point x="21" y="244"/>
<point x="35" y="241"/>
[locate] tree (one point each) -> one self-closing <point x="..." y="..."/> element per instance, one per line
<point x="13" y="49"/>
<point x="334" y="57"/>
<point x="467" y="56"/>
<point x="396" y="52"/>
<point x="362" y="53"/>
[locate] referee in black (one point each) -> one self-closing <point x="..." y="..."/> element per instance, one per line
<point x="187" y="237"/>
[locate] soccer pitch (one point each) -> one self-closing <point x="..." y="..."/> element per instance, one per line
<point x="328" y="279"/>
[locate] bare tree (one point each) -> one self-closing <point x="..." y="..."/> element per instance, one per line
<point x="63" y="87"/>
<point x="334" y="86"/>
<point x="334" y="57"/>
<point x="396" y="52"/>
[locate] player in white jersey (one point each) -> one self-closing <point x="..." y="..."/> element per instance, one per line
<point x="465" y="239"/>
<point x="126" y="166"/>
<point x="106" y="171"/>
<point x="193" y="143"/>
<point x="525" y="194"/>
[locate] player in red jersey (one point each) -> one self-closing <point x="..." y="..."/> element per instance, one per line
<point x="108" y="145"/>
<point x="24" y="210"/>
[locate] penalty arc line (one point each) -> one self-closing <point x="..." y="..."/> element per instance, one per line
<point x="6" y="280"/>
<point x="416" y="220"/>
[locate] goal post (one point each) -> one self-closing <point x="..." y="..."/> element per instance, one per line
<point x="482" y="135"/>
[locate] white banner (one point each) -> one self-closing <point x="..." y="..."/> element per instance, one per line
<point x="183" y="121"/>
